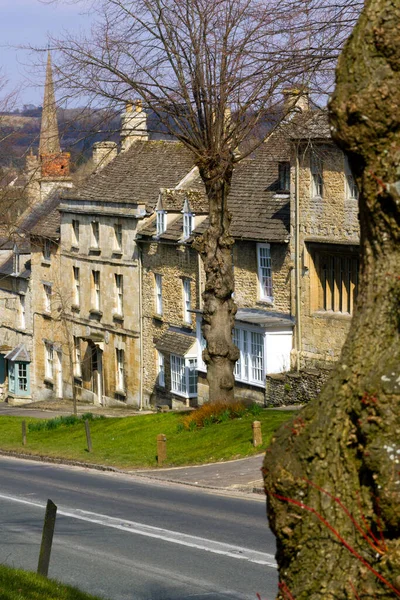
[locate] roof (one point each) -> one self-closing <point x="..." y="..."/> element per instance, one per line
<point x="19" y="353"/>
<point x="136" y="176"/>
<point x="175" y="342"/>
<point x="258" y="212"/>
<point x="264" y="318"/>
<point x="311" y="125"/>
<point x="7" y="267"/>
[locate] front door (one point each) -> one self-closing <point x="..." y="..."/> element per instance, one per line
<point x="97" y="374"/>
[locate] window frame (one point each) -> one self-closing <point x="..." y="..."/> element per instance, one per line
<point x="46" y="250"/>
<point x="337" y="282"/>
<point x="317" y="175"/>
<point x="96" y="290"/>
<point x="47" y="289"/>
<point x="77" y="357"/>
<point x="160" y="369"/>
<point x="49" y="360"/>
<point x="119" y="297"/>
<point x="181" y="375"/>
<point x="350" y="182"/>
<point x="95" y="234"/>
<point x="246" y="338"/>
<point x="188" y="222"/>
<point x="75" y="232"/>
<point x="77" y="285"/>
<point x="22" y="311"/>
<point x="265" y="288"/>
<point x="120" y="370"/>
<point x="187" y="300"/>
<point x="158" y="293"/>
<point x="118" y="237"/>
<point x="284" y="177"/>
<point x="161" y="222"/>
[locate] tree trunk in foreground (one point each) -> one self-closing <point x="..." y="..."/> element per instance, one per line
<point x="219" y="309"/>
<point x="347" y="441"/>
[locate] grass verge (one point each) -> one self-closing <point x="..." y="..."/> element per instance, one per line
<point x="130" y="442"/>
<point x="16" y="584"/>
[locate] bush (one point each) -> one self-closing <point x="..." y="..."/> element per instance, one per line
<point x="219" y="412"/>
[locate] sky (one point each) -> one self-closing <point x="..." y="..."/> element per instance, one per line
<point x="28" y="23"/>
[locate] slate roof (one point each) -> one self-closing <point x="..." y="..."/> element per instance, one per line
<point x="19" y="353"/>
<point x="175" y="342"/>
<point x="136" y="176"/>
<point x="259" y="213"/>
<point x="7" y="267"/>
<point x="311" y="125"/>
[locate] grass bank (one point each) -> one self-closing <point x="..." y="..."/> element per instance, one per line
<point x="25" y="585"/>
<point x="130" y="442"/>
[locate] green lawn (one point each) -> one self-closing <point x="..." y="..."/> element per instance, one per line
<point x="130" y="442"/>
<point x="24" y="585"/>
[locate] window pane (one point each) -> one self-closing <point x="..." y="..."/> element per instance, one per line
<point x="192" y="376"/>
<point x="257" y="356"/>
<point x="265" y="271"/>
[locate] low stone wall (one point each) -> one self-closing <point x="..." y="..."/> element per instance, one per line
<point x="283" y="389"/>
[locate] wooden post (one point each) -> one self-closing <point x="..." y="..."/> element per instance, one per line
<point x="23" y="433"/>
<point x="47" y="538"/>
<point x="88" y="438"/>
<point x="257" y="435"/>
<point x="161" y="448"/>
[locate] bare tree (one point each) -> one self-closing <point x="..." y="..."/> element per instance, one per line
<point x="211" y="70"/>
<point x="333" y="476"/>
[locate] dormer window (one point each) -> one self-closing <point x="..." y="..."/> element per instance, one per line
<point x="187" y="220"/>
<point x="161" y="221"/>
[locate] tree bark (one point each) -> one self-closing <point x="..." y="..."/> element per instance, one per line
<point x="219" y="309"/>
<point x="347" y="442"/>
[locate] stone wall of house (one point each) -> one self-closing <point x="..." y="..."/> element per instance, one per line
<point x="327" y="222"/>
<point x="285" y="389"/>
<point x="247" y="288"/>
<point x="12" y="330"/>
<point x="174" y="263"/>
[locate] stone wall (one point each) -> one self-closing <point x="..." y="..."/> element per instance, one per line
<point x="285" y="389"/>
<point x="328" y="223"/>
<point x="247" y="288"/>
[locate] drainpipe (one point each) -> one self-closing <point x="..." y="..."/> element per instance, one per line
<point x="140" y="327"/>
<point x="297" y="265"/>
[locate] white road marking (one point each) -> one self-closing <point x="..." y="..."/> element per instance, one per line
<point x="175" y="537"/>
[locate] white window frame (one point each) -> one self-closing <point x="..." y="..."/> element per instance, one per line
<point x="120" y="370"/>
<point x="96" y="289"/>
<point x="264" y="268"/>
<point x="47" y="250"/>
<point x="158" y="293"/>
<point x="75" y="232"/>
<point x="119" y="294"/>
<point x="182" y="370"/>
<point x="161" y="221"/>
<point x="77" y="286"/>
<point x="49" y="360"/>
<point x="47" y="297"/>
<point x="118" y="236"/>
<point x="95" y="243"/>
<point x="317" y="175"/>
<point x="77" y="357"/>
<point x="188" y="219"/>
<point x="350" y="183"/>
<point x="187" y="299"/>
<point x="160" y="369"/>
<point x="22" y="311"/>
<point x="252" y="365"/>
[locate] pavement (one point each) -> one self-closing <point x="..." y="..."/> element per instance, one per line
<point x="242" y="475"/>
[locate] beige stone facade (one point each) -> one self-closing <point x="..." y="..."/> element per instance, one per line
<point x="328" y="250"/>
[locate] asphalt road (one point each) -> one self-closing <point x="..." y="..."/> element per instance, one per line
<point x="127" y="539"/>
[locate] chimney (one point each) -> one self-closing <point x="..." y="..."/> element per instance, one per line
<point x="296" y="100"/>
<point x="103" y="153"/>
<point x="133" y="125"/>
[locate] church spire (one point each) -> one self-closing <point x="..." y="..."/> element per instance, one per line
<point x="49" y="138"/>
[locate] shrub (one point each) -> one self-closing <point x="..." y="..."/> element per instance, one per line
<point x="219" y="412"/>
